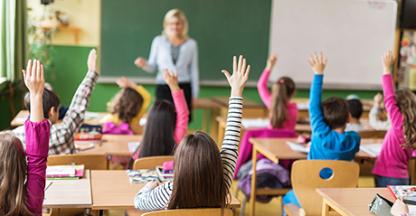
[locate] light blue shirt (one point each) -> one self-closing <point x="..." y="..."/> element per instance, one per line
<point x="186" y="65"/>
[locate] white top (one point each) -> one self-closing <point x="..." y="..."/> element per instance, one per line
<point x="186" y="66"/>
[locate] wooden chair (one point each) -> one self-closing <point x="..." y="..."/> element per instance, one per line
<point x="192" y="212"/>
<point x="90" y="161"/>
<point x="306" y="178"/>
<point x="151" y="162"/>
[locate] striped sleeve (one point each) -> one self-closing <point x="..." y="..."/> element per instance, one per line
<point x="229" y="148"/>
<point x="154" y="199"/>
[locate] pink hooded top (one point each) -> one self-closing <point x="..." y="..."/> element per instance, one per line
<point x="393" y="159"/>
<point x="266" y="97"/>
<point x="37" y="147"/>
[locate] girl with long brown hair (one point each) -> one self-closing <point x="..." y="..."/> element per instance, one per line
<point x="391" y="167"/>
<point x="202" y="173"/>
<point x="282" y="112"/>
<point x="22" y="183"/>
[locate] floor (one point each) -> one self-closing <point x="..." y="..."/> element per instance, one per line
<point x="273" y="207"/>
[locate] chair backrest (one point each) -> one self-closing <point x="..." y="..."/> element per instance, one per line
<point x="192" y="212"/>
<point x="151" y="162"/>
<point x="306" y="178"/>
<point x="90" y="161"/>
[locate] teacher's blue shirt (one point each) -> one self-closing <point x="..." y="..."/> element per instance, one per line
<point x="186" y="65"/>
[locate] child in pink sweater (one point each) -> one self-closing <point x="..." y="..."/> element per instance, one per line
<point x="283" y="113"/>
<point x="391" y="167"/>
<point x="166" y="124"/>
<point x="22" y="184"/>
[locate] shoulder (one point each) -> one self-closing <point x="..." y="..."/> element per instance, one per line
<point x="158" y="39"/>
<point x="353" y="135"/>
<point x="192" y="43"/>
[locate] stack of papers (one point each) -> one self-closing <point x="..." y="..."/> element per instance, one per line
<point x="371" y="149"/>
<point x="255" y="123"/>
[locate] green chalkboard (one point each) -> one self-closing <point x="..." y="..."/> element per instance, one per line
<point x="222" y="28"/>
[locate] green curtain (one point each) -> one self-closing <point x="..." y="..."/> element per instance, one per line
<point x="12" y="38"/>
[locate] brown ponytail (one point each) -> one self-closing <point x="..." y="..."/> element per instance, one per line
<point x="282" y="91"/>
<point x="406" y="101"/>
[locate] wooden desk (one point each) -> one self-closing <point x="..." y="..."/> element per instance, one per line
<point x="115" y="145"/>
<point x="276" y="149"/>
<point x="69" y="193"/>
<point x="112" y="190"/>
<point x="350" y="201"/>
<point x="92" y="118"/>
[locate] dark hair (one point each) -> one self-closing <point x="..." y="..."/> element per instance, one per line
<point x="355" y="107"/>
<point x="199" y="174"/>
<point x="335" y="112"/>
<point x="13" y="169"/>
<point x="283" y="89"/>
<point x="128" y="105"/>
<point x="406" y="101"/>
<point x="158" y="138"/>
<point x="50" y="100"/>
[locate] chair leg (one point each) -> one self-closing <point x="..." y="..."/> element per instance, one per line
<point x="243" y="206"/>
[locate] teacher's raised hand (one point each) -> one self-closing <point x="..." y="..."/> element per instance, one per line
<point x="140" y="62"/>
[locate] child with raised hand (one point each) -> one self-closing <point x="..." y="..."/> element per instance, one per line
<point x="329" y="119"/>
<point x="167" y="123"/>
<point x="282" y="112"/>
<point x="22" y="184"/>
<point x="203" y="173"/>
<point x="391" y="167"/>
<point x="127" y="108"/>
<point x="62" y="134"/>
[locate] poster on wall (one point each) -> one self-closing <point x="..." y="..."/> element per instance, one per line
<point x="407" y="68"/>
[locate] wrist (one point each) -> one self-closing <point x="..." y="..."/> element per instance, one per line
<point x="318" y="72"/>
<point x="236" y="93"/>
<point x="174" y="87"/>
<point x="36" y="96"/>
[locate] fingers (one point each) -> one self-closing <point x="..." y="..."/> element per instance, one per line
<point x="247" y="72"/>
<point x="243" y="67"/>
<point x="227" y="74"/>
<point x="28" y="68"/>
<point x="41" y="74"/>
<point x="234" y="63"/>
<point x="240" y="63"/>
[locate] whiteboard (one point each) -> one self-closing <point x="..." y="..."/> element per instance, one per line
<point x="353" y="34"/>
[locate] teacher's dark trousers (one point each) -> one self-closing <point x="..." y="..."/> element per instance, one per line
<point x="163" y="93"/>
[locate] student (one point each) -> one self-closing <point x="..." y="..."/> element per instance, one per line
<point x="62" y="134"/>
<point x="391" y="167"/>
<point x="167" y="124"/>
<point x="329" y="139"/>
<point x="378" y="116"/>
<point x="203" y="174"/>
<point x="283" y="113"/>
<point x="22" y="178"/>
<point x="355" y="108"/>
<point x="127" y="108"/>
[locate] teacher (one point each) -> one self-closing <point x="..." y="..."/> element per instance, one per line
<point x="174" y="50"/>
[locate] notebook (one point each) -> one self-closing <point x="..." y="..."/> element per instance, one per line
<point x="371" y="149"/>
<point x="65" y="172"/>
<point x="298" y="147"/>
<point x="407" y="193"/>
<point x="255" y="123"/>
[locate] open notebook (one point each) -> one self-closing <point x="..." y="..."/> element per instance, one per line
<point x="371" y="149"/>
<point x="299" y="147"/>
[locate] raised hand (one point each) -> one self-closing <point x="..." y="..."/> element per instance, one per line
<point x="318" y="62"/>
<point x="378" y="99"/>
<point x="140" y="62"/>
<point x="92" y="61"/>
<point x="239" y="78"/>
<point x="171" y="79"/>
<point x="388" y="62"/>
<point x="34" y="80"/>
<point x="124" y="82"/>
<point x="271" y="62"/>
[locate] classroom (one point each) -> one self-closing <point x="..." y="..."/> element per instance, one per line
<point x="196" y="107"/>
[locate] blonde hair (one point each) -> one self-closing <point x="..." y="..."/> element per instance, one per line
<point x="176" y="13"/>
<point x="406" y="101"/>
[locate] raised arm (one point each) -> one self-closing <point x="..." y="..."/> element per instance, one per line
<point x="182" y="111"/>
<point x="62" y="134"/>
<point x="37" y="131"/>
<point x="374" y="121"/>
<point x="264" y="92"/>
<point x="318" y="125"/>
<point x="153" y="196"/>
<point x="395" y="117"/>
<point x="229" y="147"/>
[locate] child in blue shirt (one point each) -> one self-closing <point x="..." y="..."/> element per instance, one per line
<point x="328" y="122"/>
